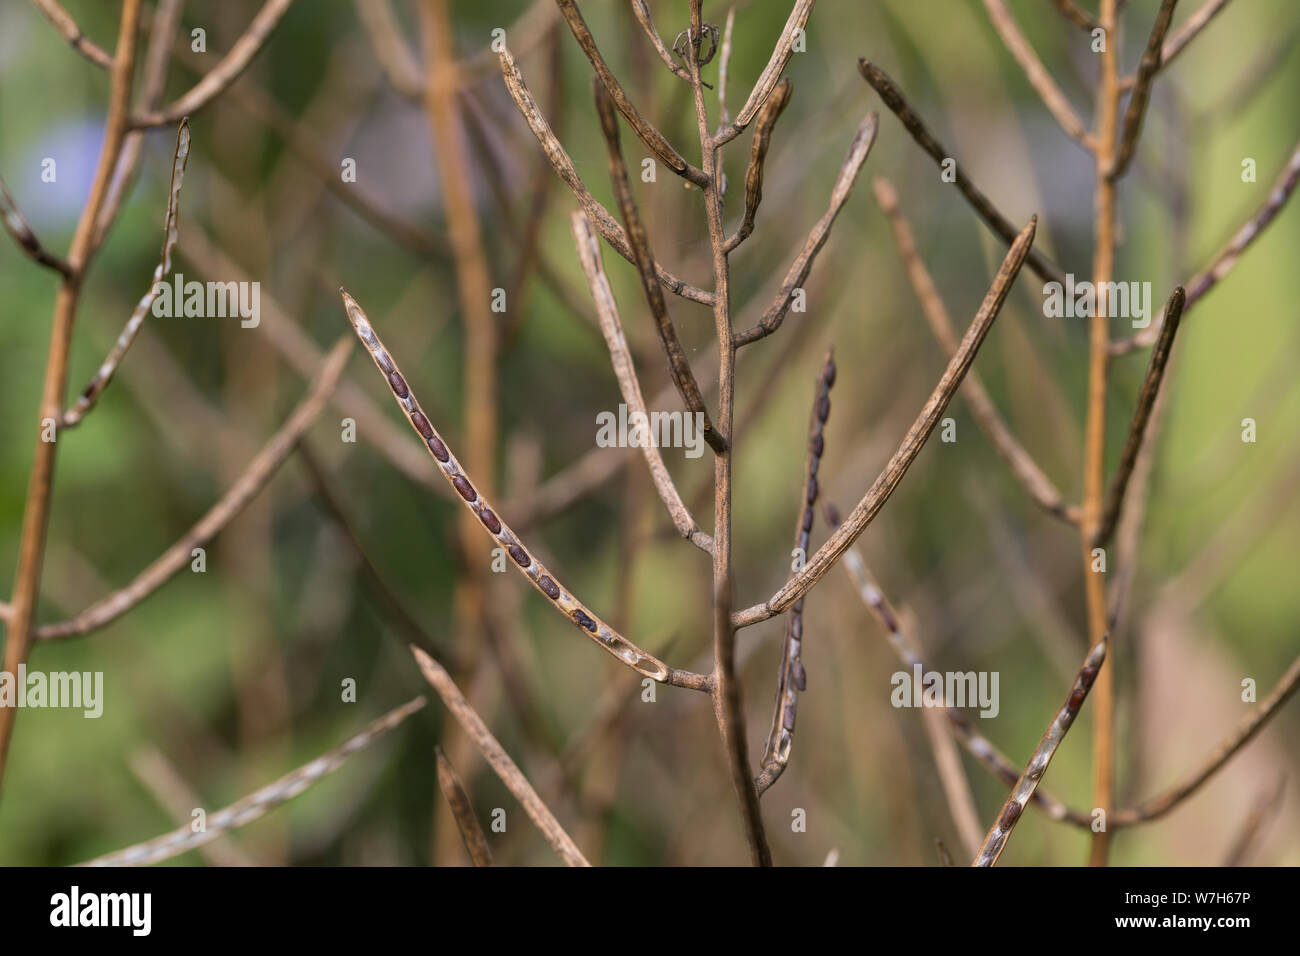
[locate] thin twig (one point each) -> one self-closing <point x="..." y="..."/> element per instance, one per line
<point x="1247" y="87"/>
<point x="473" y="589"/>
<point x="1141" y="415"/>
<point x="302" y="143"/>
<point x="1021" y="51"/>
<point x="1262" y="812"/>
<point x="66" y="25"/>
<point x="911" y="446"/>
<point x="1031" y="587"/>
<point x="728" y="707"/>
<point x="646" y="131"/>
<point x="728" y="710"/>
<point x="976" y="744"/>
<point x="600" y="217"/>
<point x="394" y="56"/>
<point x="1078" y="17"/>
<point x="563" y="489"/>
<point x="153" y="83"/>
<point x="679" y="365"/>
<point x="533" y="26"/>
<point x="73" y="415"/>
<point x="1170" y="798"/>
<point x="36" y="510"/>
<point x="641" y="10"/>
<point x="1184" y="35"/>
<point x="498" y="759"/>
<point x="540" y="189"/>
<point x="1137" y="104"/>
<point x="791" y="678"/>
<point x="1253" y="516"/>
<point x="797" y="274"/>
<point x="724" y="66"/>
<point x="1228" y="256"/>
<point x="177" y="797"/>
<point x="258" y="804"/>
<point x="1094" y="452"/>
<point x="771" y="75"/>
<point x="1000" y="832"/>
<point x="956" y="785"/>
<point x="767" y="118"/>
<point x="458" y="800"/>
<point x="568" y="486"/>
<point x="296" y="346"/>
<point x="528" y="234"/>
<point x="17" y="227"/>
<point x="537" y="575"/>
<point x="1128" y="533"/>
<point x="226" y="71"/>
<point x="408" y="629"/>
<point x="473" y="281"/>
<point x="897" y="103"/>
<point x="250" y="482"/>
<point x="629" y="385"/>
<point x="986" y="415"/>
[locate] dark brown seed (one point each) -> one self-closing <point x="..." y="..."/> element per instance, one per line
<point x="824" y="407"/>
<point x="807" y="523"/>
<point x="520" y="556"/>
<point x="1076" y="700"/>
<point x="490" y="521"/>
<point x="812" y="492"/>
<point x="813" y="465"/>
<point x="422" y="425"/>
<point x="398" y="384"/>
<point x="465" y="488"/>
<point x="549" y="587"/>
<point x="383" y="361"/>
<point x="582" y="620"/>
<point x="799" y="676"/>
<point x="438" y="448"/>
<point x="1010" y="815"/>
<point x="818" y="445"/>
<point x="829" y="374"/>
<point x="787" y="719"/>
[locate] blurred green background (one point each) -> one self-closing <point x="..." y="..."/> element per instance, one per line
<point x="232" y="677"/>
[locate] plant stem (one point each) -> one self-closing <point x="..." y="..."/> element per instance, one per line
<point x="727" y="704"/>
<point x="36" y="512"/>
<point x="1095" y="431"/>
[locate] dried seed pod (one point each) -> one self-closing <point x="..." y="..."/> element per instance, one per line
<point x="90" y="394"/>
<point x="996" y="840"/>
<point x="543" y="580"/>
<point x="792" y="678"/>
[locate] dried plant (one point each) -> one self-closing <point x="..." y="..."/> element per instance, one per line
<point x="259" y="803"/>
<point x="1110" y="510"/>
